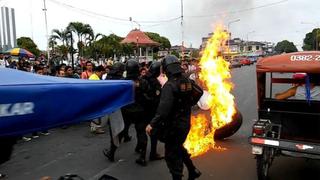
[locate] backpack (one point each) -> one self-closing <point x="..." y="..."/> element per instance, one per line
<point x="189" y="92"/>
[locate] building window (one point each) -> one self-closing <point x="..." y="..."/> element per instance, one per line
<point x="241" y="48"/>
<point x="257" y="47"/>
<point x="249" y="48"/>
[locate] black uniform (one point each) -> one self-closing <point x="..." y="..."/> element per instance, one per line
<point x="116" y="74"/>
<point x="173" y="114"/>
<point x="136" y="111"/>
<point x="6" y="144"/>
<point x="154" y="94"/>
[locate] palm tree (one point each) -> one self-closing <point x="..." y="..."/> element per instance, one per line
<point x="60" y="35"/>
<point x="64" y="37"/>
<point x="83" y="32"/>
<point x="90" y="45"/>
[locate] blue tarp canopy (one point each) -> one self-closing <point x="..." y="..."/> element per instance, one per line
<point x="31" y="102"/>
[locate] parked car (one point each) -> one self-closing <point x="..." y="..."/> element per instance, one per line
<point x="245" y="61"/>
<point x="235" y="64"/>
<point x="253" y="59"/>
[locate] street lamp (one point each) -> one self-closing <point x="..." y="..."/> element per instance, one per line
<point x="316" y="25"/>
<point x="248" y="39"/>
<point x="229" y="23"/>
<point x="130" y="18"/>
<point x="137" y="53"/>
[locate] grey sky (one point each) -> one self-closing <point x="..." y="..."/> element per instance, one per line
<point x="271" y="20"/>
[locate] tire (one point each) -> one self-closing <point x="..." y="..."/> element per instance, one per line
<point x="263" y="164"/>
<point x="231" y="128"/>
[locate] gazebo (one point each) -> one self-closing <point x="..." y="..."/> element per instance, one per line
<point x="143" y="43"/>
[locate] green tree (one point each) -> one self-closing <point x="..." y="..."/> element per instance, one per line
<point x="175" y="53"/>
<point x="91" y="49"/>
<point x="195" y="54"/>
<point x="164" y="42"/>
<point x="60" y="35"/>
<point x="108" y="46"/>
<point x="84" y="34"/>
<point x="285" y="46"/>
<point x="311" y="41"/>
<point x="27" y="43"/>
<point x="64" y="36"/>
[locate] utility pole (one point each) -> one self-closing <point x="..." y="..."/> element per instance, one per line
<point x="72" y="59"/>
<point x="248" y="40"/>
<point x="182" y="33"/>
<point x="46" y="23"/>
<point x="237" y="20"/>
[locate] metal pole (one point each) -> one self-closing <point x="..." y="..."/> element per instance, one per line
<point x="72" y="60"/>
<point x="237" y="20"/>
<point x="182" y="33"/>
<point x="317" y="39"/>
<point x="248" y="39"/>
<point x="139" y="25"/>
<point x="46" y="23"/>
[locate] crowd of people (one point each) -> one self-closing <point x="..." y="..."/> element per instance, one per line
<point x="147" y="111"/>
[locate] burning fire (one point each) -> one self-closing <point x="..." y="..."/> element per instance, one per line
<point x="214" y="75"/>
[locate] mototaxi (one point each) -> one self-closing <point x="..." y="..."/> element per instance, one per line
<point x="288" y="127"/>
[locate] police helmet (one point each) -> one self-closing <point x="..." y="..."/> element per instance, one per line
<point x="154" y="69"/>
<point x="117" y="68"/>
<point x="132" y="68"/>
<point x="171" y="65"/>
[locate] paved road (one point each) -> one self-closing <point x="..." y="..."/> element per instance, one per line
<point x="75" y="150"/>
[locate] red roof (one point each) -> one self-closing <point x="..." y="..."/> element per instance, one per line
<point x="138" y="37"/>
<point x="305" y="61"/>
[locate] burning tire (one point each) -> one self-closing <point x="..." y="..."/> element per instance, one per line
<point x="231" y="128"/>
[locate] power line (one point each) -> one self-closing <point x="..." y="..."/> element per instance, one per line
<point x="106" y="16"/>
<point x="159" y="24"/>
<point x="239" y="11"/>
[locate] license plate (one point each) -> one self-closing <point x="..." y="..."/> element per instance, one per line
<point x="256" y="150"/>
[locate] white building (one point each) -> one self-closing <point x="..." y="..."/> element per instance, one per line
<point x="8" y="38"/>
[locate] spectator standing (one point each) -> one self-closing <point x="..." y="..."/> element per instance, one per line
<point x="96" y="124"/>
<point x="69" y="73"/>
<point x="88" y="70"/>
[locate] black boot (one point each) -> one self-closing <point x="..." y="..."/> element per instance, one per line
<point x="155" y="157"/>
<point x="141" y="161"/>
<point x="193" y="174"/>
<point x="109" y="153"/>
<point x="193" y="171"/>
<point x="138" y="149"/>
<point x="153" y="152"/>
<point x="127" y="138"/>
<point x="176" y="177"/>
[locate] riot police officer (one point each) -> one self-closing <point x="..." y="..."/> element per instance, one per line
<point x="116" y="73"/>
<point x="154" y="94"/>
<point x="173" y="117"/>
<point x="136" y="111"/>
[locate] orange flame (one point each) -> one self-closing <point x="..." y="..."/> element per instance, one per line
<point x="215" y="75"/>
